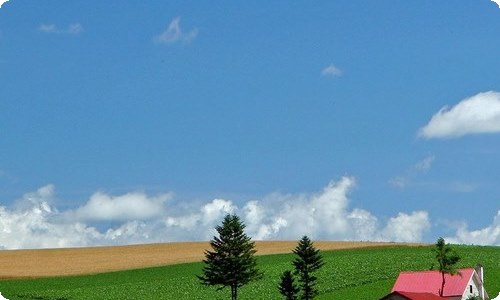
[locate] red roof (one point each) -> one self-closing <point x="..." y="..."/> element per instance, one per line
<point x="415" y="296"/>
<point x="430" y="282"/>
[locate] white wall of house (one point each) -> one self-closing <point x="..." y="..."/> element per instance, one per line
<point x="472" y="287"/>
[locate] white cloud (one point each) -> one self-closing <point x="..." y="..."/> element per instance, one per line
<point x="425" y="164"/>
<point x="324" y="215"/>
<point x="47" y="28"/>
<point x="331" y="70"/>
<point x="199" y="224"/>
<point x="489" y="235"/>
<point x="2" y="2"/>
<point x="254" y="216"/>
<point x="497" y="2"/>
<point x="399" y="181"/>
<point x="33" y="225"/>
<point x="131" y="206"/>
<point x="72" y="29"/>
<point x="462" y="187"/>
<point x="35" y="222"/>
<point x="414" y="171"/>
<point x="475" y="115"/>
<point x="407" y="227"/>
<point x="173" y="33"/>
<point x="327" y="215"/>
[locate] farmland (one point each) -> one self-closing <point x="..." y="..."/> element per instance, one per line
<point x="366" y="272"/>
<point x="81" y="261"/>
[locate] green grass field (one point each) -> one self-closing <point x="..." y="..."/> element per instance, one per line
<point x="365" y="273"/>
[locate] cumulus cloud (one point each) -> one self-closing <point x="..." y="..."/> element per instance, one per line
<point x="2" y="2"/>
<point x="497" y="2"/>
<point x="475" y="115"/>
<point x="72" y="29"/>
<point x="32" y="224"/>
<point x="407" y="227"/>
<point x="331" y="70"/>
<point x="35" y="222"/>
<point x="414" y="171"/>
<point x="489" y="235"/>
<point x="198" y="225"/>
<point x="327" y="215"/>
<point x="131" y="206"/>
<point x="174" y="33"/>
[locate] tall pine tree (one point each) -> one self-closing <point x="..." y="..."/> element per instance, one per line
<point x="231" y="263"/>
<point x="308" y="261"/>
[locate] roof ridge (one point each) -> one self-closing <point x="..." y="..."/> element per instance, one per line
<point x="431" y="271"/>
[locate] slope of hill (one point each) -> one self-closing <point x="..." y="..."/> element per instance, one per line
<point x="76" y="261"/>
<point x="365" y="273"/>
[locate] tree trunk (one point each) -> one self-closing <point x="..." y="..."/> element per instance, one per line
<point x="441" y="292"/>
<point x="306" y="288"/>
<point x="234" y="292"/>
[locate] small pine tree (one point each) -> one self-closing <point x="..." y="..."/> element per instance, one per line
<point x="447" y="259"/>
<point x="287" y="286"/>
<point x="232" y="262"/>
<point x="308" y="261"/>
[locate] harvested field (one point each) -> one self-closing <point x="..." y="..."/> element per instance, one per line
<point x="75" y="261"/>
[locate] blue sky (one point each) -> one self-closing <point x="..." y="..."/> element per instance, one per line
<point x="149" y="121"/>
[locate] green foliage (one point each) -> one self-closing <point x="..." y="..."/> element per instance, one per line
<point x="307" y="262"/>
<point x="366" y="273"/>
<point x="287" y="286"/>
<point x="232" y="262"/>
<point x="447" y="260"/>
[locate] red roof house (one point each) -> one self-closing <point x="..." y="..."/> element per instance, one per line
<point x="418" y="285"/>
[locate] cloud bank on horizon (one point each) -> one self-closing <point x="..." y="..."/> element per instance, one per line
<point x="34" y="222"/>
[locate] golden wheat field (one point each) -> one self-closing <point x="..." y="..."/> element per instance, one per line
<point x="75" y="261"/>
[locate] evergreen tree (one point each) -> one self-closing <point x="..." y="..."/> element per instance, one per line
<point x="447" y="259"/>
<point x="232" y="262"/>
<point x="308" y="261"/>
<point x="287" y="286"/>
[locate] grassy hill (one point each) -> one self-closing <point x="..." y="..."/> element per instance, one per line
<point x="366" y="273"/>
